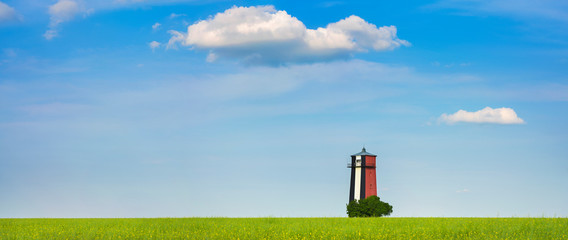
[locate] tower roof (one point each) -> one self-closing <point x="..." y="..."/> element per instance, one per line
<point x="363" y="153"/>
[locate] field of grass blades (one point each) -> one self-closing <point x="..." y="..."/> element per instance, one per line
<point x="286" y="228"/>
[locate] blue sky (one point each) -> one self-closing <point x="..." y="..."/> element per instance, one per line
<point x="145" y="108"/>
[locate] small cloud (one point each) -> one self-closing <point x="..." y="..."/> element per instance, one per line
<point x="10" y="52"/>
<point x="63" y="11"/>
<point x="153" y="45"/>
<point x="50" y="34"/>
<point x="175" y="15"/>
<point x="156" y="26"/>
<point x="211" y="57"/>
<point x="332" y="4"/>
<point x="264" y="35"/>
<point x="435" y="63"/>
<point x="486" y="115"/>
<point x="465" y="190"/>
<point x="7" y="13"/>
<point x="176" y="37"/>
<point x="128" y="1"/>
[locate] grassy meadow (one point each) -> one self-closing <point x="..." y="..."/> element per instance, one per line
<point x="286" y="228"/>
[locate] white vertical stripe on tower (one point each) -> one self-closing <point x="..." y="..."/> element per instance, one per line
<point x="357" y="194"/>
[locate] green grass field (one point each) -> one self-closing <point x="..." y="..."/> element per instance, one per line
<point x="286" y="228"/>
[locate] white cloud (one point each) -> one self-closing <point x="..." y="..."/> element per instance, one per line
<point x="153" y="45"/>
<point x="486" y="115"/>
<point x="175" y="15"/>
<point x="176" y="37"/>
<point x="465" y="190"/>
<point x="211" y="57"/>
<point x="50" y="34"/>
<point x="264" y="35"/>
<point x="156" y="26"/>
<point x="7" y="13"/>
<point x="63" y="11"/>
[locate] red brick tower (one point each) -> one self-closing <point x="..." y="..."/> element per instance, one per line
<point x="363" y="175"/>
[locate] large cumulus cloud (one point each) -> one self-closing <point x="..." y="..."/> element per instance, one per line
<point x="264" y="35"/>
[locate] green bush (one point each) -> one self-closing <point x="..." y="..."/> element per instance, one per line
<point x="371" y="206"/>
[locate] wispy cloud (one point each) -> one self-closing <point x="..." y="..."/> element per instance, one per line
<point x="175" y="15"/>
<point x="263" y="35"/>
<point x="7" y="13"/>
<point x="465" y="190"/>
<point x="50" y="34"/>
<point x="128" y="1"/>
<point x="153" y="45"/>
<point x="62" y="11"/>
<point x="332" y="4"/>
<point x="66" y="10"/>
<point x="544" y="9"/>
<point x="156" y="26"/>
<point x="55" y="108"/>
<point x="486" y="115"/>
<point x="249" y="92"/>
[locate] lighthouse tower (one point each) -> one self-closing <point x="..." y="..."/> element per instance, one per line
<point x="363" y="175"/>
